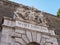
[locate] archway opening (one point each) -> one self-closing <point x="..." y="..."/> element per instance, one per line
<point x="33" y="43"/>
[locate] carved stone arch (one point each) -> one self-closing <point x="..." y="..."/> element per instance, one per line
<point x="26" y="37"/>
<point x="33" y="43"/>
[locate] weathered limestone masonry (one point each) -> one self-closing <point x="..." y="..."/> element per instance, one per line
<point x="27" y="26"/>
<point x="17" y="32"/>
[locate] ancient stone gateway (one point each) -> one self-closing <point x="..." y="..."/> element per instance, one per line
<point x="27" y="27"/>
<point x="16" y="32"/>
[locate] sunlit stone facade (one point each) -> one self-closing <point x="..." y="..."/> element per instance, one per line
<point x="25" y="27"/>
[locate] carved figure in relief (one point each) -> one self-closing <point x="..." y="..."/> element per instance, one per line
<point x="38" y="19"/>
<point x="29" y="15"/>
<point x="20" y="13"/>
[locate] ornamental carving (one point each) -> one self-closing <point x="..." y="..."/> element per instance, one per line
<point x="29" y="15"/>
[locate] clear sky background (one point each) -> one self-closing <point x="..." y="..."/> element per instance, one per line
<point x="49" y="6"/>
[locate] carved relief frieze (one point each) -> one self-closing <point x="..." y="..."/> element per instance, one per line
<point x="29" y="15"/>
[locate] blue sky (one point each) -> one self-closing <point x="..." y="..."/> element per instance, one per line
<point x="50" y="6"/>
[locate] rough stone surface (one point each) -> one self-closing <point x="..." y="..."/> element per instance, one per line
<point x="12" y="34"/>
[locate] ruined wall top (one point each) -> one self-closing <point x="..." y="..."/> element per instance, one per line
<point x="4" y="0"/>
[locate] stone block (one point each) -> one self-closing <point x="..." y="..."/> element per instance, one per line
<point x="34" y="36"/>
<point x="38" y="37"/>
<point x="20" y="40"/>
<point x="24" y="37"/>
<point x="29" y="35"/>
<point x="20" y="31"/>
